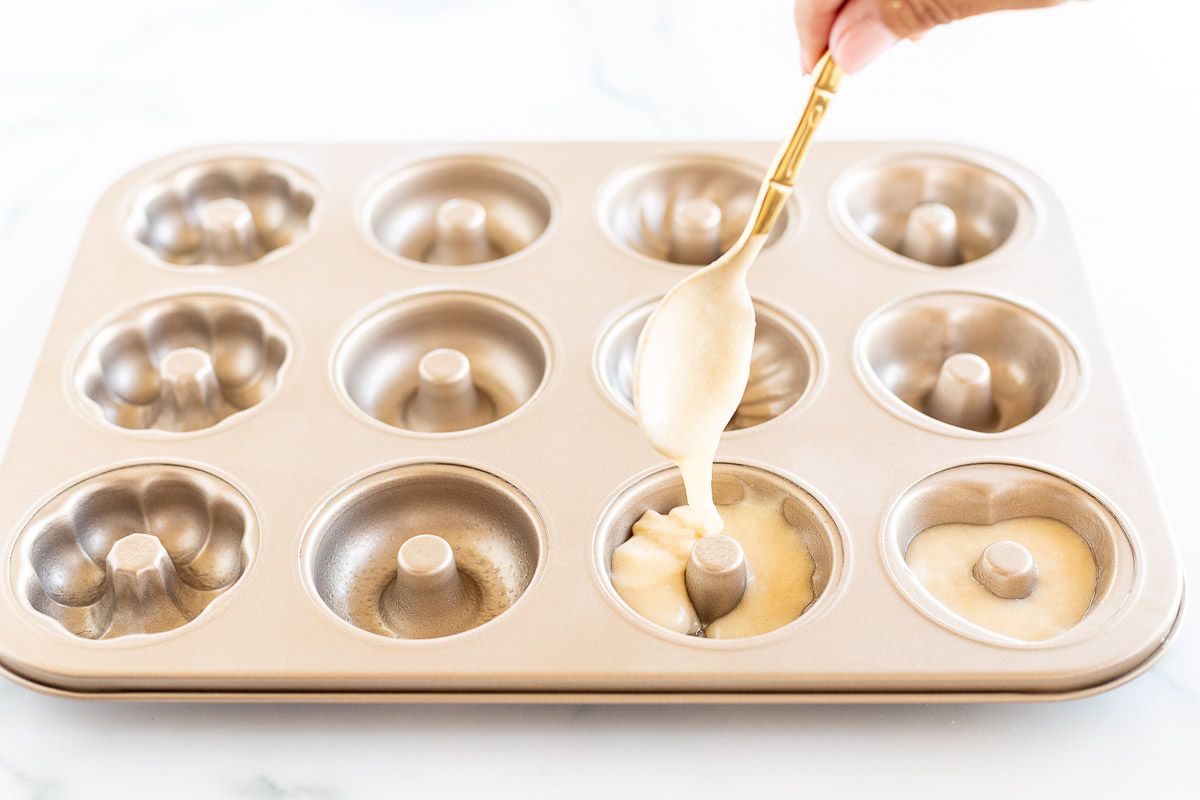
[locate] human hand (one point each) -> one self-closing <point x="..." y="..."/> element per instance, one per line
<point x="856" y="31"/>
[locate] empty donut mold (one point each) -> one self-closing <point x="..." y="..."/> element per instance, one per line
<point x="685" y="211"/>
<point x="934" y="210"/>
<point x="183" y="362"/>
<point x="137" y="549"/>
<point x="442" y="361"/>
<point x="225" y="212"/>
<point x="422" y="551"/>
<point x="458" y="211"/>
<point x="972" y="361"/>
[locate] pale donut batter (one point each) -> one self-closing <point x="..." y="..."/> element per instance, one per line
<point x="943" y="558"/>
<point x="648" y="569"/>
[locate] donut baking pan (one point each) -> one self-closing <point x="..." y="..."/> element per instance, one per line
<point x="332" y="422"/>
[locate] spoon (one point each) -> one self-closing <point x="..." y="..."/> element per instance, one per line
<point x="693" y="356"/>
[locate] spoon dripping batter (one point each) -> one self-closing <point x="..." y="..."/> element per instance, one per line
<point x="693" y="356"/>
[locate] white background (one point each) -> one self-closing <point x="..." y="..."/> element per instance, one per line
<point x="1099" y="98"/>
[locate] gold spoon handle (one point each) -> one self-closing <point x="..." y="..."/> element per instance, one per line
<point x="778" y="187"/>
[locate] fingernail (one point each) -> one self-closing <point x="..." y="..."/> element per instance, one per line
<point x="861" y="44"/>
<point x="805" y="66"/>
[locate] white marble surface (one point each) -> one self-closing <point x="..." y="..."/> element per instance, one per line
<point x="1100" y="98"/>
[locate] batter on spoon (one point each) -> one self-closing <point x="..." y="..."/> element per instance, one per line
<point x="691" y="369"/>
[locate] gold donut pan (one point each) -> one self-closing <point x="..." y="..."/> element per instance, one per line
<point x="288" y="386"/>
